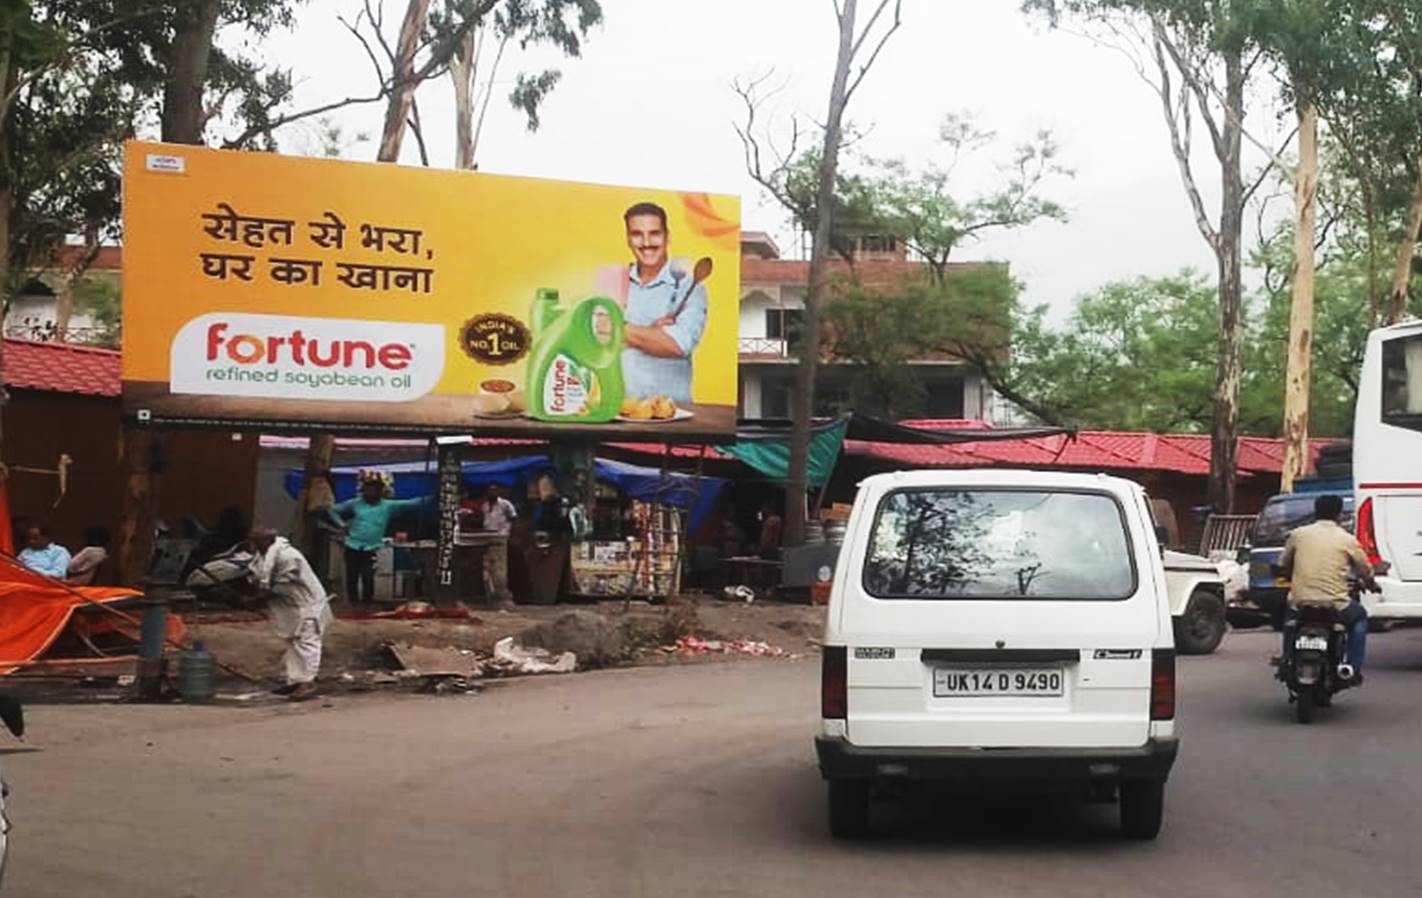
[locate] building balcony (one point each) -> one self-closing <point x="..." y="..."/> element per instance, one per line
<point x="765" y="348"/>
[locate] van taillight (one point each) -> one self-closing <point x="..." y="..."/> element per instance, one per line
<point x="834" y="683"/>
<point x="1162" y="684"/>
<point x="1367" y="536"/>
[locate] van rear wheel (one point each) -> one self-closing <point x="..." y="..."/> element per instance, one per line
<point x="1142" y="809"/>
<point x="849" y="808"/>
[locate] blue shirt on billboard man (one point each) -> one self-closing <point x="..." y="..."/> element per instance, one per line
<point x="660" y="341"/>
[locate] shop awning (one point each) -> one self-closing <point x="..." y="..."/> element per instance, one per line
<point x="764" y="444"/>
<point x="696" y="495"/>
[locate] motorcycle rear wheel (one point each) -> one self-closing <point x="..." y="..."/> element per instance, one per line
<point x="1304" y="706"/>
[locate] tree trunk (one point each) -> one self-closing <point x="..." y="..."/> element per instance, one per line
<point x="402" y="96"/>
<point x="323" y="446"/>
<point x="307" y="535"/>
<point x="184" y="116"/>
<point x="64" y="306"/>
<point x="140" y="509"/>
<point x="1229" y="361"/>
<point x="1406" y="252"/>
<point x="462" y="69"/>
<point x="183" y="120"/>
<point x="803" y="400"/>
<point x="1296" y="383"/>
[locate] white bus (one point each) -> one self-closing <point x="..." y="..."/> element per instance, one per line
<point x="1387" y="467"/>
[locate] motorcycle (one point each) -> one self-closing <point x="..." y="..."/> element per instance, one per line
<point x="1313" y="669"/>
<point x="1313" y="665"/>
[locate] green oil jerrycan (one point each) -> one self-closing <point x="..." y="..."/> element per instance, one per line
<point x="573" y="376"/>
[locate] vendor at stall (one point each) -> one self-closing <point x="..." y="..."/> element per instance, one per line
<point x="366" y="519"/>
<point x="497" y="514"/>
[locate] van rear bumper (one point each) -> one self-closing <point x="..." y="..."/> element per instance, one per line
<point x="1024" y="766"/>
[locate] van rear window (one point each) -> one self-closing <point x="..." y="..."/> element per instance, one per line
<point x="999" y="544"/>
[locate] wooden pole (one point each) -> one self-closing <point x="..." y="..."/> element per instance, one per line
<point x="1297" y="380"/>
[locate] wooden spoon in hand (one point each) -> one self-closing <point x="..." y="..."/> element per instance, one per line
<point x="699" y="274"/>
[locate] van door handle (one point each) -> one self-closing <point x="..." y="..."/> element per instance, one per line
<point x="991" y="656"/>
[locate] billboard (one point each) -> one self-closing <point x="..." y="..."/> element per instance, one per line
<point x="279" y="292"/>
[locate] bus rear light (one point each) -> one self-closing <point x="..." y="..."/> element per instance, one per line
<point x="1367" y="533"/>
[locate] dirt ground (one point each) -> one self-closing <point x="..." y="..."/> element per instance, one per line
<point x="355" y="645"/>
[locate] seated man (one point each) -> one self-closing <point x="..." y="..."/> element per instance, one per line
<point x="85" y="563"/>
<point x="43" y="555"/>
<point x="1320" y="557"/>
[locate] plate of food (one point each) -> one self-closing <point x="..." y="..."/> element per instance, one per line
<point x="498" y="399"/>
<point x="652" y="410"/>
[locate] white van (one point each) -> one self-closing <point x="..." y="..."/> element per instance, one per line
<point x="998" y="626"/>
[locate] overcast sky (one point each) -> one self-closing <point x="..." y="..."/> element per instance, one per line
<point x="650" y="104"/>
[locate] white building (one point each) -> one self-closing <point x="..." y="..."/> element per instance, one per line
<point x="772" y="306"/>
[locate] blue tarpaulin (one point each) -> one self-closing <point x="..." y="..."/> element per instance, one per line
<point x="697" y="496"/>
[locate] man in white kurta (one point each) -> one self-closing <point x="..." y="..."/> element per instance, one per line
<point x="299" y="607"/>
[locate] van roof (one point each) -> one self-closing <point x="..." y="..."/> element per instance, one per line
<point x="1002" y="477"/>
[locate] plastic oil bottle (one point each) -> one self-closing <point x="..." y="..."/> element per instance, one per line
<point x="574" y="376"/>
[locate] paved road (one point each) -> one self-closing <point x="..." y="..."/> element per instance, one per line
<point x="692" y="781"/>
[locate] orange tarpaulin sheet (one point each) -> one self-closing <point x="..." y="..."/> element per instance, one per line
<point x="34" y="610"/>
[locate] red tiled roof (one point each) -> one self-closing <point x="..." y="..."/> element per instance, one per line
<point x="1091" y="450"/>
<point x="61" y="368"/>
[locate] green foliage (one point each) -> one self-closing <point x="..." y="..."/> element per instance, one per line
<point x="1135" y="355"/>
<point x="919" y="206"/>
<point x="560" y="24"/>
<point x="1341" y="328"/>
<point x="100" y="297"/>
<point x="973" y="316"/>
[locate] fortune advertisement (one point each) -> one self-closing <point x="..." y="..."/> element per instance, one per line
<point x="281" y="292"/>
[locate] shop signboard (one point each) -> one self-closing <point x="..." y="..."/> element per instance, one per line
<point x="280" y="292"/>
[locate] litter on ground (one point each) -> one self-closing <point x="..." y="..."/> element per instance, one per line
<point x="695" y="645"/>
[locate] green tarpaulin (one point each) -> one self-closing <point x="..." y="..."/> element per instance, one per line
<point x="771" y="457"/>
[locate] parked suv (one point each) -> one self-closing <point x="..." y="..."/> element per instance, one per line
<point x="1267" y="597"/>
<point x="998" y="627"/>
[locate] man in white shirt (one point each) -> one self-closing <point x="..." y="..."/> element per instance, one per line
<point x="43" y="555"/>
<point x="300" y="608"/>
<point x="498" y="515"/>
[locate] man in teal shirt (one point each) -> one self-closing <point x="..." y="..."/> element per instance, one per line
<point x="369" y="517"/>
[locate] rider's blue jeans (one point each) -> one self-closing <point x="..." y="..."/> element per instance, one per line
<point x="1355" y="618"/>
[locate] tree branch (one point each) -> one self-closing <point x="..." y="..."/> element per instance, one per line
<point x="1269" y="166"/>
<point x="354" y="29"/>
<point x="869" y="63"/>
<point x="488" y="95"/>
<point x="280" y="121"/>
<point x="418" y="130"/>
<point x="1190" y="75"/>
<point x="1182" y="150"/>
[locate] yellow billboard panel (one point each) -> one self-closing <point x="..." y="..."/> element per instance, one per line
<point x="283" y="292"/>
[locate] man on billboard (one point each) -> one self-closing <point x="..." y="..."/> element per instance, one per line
<point x="665" y="311"/>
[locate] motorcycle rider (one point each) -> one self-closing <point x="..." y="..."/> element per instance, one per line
<point x="1318" y="558"/>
